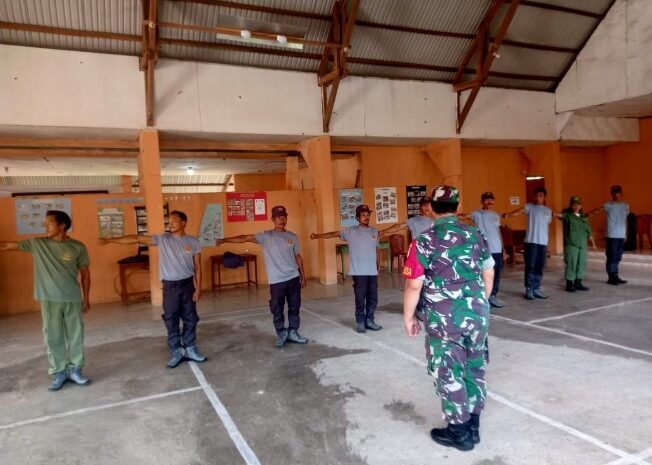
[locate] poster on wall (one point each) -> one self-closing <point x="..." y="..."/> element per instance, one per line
<point x="414" y="194"/>
<point x="212" y="225"/>
<point x="111" y="222"/>
<point x="249" y="206"/>
<point x="349" y="201"/>
<point x="30" y="213"/>
<point x="386" y="205"/>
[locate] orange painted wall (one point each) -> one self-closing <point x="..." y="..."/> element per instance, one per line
<point x="259" y="182"/>
<point x="16" y="268"/>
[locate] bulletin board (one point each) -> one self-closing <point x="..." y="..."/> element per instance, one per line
<point x="249" y="206"/>
<point x="30" y="213"/>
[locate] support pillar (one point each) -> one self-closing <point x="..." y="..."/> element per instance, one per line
<point x="149" y="175"/>
<point x="317" y="153"/>
<point x="447" y="157"/>
<point x="126" y="184"/>
<point x="292" y="180"/>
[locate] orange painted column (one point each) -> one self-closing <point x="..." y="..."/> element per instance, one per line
<point x="149" y="176"/>
<point x="546" y="160"/>
<point x="292" y="180"/>
<point x="126" y="185"/>
<point x="317" y="153"/>
<point x="447" y="156"/>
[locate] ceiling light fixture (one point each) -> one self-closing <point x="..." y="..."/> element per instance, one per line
<point x="190" y="171"/>
<point x="245" y="34"/>
<point x="282" y="39"/>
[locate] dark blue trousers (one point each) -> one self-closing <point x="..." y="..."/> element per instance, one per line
<point x="178" y="306"/>
<point x="498" y="268"/>
<point x="289" y="291"/>
<point x="365" y="289"/>
<point x="535" y="262"/>
<point x="615" y="249"/>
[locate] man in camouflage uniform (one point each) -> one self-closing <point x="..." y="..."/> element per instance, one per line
<point x="453" y="266"/>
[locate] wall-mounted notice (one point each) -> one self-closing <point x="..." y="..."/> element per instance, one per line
<point x="30" y="213"/>
<point x="111" y="222"/>
<point x="414" y="194"/>
<point x="516" y="200"/>
<point x="386" y="205"/>
<point x="349" y="201"/>
<point x="212" y="225"/>
<point x="250" y="206"/>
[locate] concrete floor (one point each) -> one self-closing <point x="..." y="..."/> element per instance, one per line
<point x="570" y="381"/>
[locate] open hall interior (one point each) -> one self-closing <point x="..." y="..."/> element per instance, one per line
<point x="121" y="112"/>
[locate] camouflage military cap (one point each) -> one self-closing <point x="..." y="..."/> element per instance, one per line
<point x="447" y="194"/>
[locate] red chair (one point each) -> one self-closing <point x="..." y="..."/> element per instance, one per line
<point x="643" y="227"/>
<point x="397" y="249"/>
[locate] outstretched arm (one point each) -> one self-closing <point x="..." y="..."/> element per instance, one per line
<point x="8" y="246"/>
<point x="595" y="211"/>
<point x="517" y="212"/>
<point x="142" y="239"/>
<point x="464" y="216"/>
<point x="397" y="228"/>
<point x="237" y="239"/>
<point x="328" y="235"/>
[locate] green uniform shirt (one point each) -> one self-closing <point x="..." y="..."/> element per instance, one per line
<point x="577" y="229"/>
<point x="56" y="266"/>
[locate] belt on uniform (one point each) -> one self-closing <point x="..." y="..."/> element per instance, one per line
<point x="181" y="282"/>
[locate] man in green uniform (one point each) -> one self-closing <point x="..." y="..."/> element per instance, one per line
<point x="577" y="232"/>
<point x="58" y="259"/>
<point x="452" y="264"/>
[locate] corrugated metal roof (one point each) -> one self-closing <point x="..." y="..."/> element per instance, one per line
<point x="54" y="181"/>
<point x="530" y="25"/>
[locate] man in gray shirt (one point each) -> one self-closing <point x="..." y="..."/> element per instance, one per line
<point x="363" y="243"/>
<point x="285" y="274"/>
<point x="180" y="271"/>
<point x="617" y="211"/>
<point x="488" y="222"/>
<point x="536" y="242"/>
<point x="417" y="224"/>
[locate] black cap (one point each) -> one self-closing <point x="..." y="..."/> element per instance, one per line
<point x="488" y="195"/>
<point x="279" y="211"/>
<point x="616" y="189"/>
<point x="362" y="209"/>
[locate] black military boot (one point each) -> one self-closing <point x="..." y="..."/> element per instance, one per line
<point x="475" y="428"/>
<point x="570" y="286"/>
<point x="620" y="281"/>
<point x="360" y="327"/>
<point x="457" y="436"/>
<point x="579" y="286"/>
<point x="613" y="280"/>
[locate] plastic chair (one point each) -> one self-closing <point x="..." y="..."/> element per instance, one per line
<point x="643" y="227"/>
<point x="397" y="249"/>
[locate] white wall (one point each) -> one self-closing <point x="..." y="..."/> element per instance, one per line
<point x="616" y="63"/>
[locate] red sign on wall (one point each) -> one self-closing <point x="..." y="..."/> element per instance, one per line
<point x="250" y="206"/>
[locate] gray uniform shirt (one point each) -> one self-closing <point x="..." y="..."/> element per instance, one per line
<point x="176" y="255"/>
<point x="616" y="219"/>
<point x="488" y="222"/>
<point x="280" y="250"/>
<point x="363" y="243"/>
<point x="419" y="224"/>
<point x="539" y="218"/>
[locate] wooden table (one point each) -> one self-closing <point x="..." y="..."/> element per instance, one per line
<point x="125" y="270"/>
<point x="219" y="261"/>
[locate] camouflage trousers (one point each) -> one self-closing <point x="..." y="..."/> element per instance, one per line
<point x="457" y="363"/>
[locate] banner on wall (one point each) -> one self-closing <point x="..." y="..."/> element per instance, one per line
<point x="349" y="201"/>
<point x="212" y="225"/>
<point x="249" y="206"/>
<point x="30" y="213"/>
<point x="414" y="194"/>
<point x="386" y="205"/>
<point x="111" y="222"/>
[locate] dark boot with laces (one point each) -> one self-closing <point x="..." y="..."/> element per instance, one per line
<point x="579" y="286"/>
<point x="475" y="428"/>
<point x="457" y="436"/>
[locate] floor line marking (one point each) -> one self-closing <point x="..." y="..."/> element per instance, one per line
<point x="588" y="310"/>
<point x="531" y="413"/>
<point x="647" y="453"/>
<point x="98" y="407"/>
<point x="240" y="443"/>
<point x="576" y="336"/>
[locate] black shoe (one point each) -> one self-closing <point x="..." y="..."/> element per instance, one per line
<point x="579" y="286"/>
<point x="493" y="301"/>
<point x="538" y="294"/>
<point x="620" y="281"/>
<point x="529" y="295"/>
<point x="360" y="327"/>
<point x="570" y="286"/>
<point x="457" y="436"/>
<point x="282" y="337"/>
<point x="613" y="280"/>
<point x="475" y="428"/>
<point x="294" y="336"/>
<point x="370" y="324"/>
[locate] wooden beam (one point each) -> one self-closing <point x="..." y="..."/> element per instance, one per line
<point x="196" y="144"/>
<point x="17" y="142"/>
<point x="42" y="152"/>
<point x="150" y="55"/>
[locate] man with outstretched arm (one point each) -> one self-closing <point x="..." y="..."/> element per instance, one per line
<point x="285" y="273"/>
<point x="180" y="270"/>
<point x="58" y="260"/>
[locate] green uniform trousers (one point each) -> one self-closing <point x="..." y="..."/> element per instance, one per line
<point x="575" y="258"/>
<point x="63" y="332"/>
